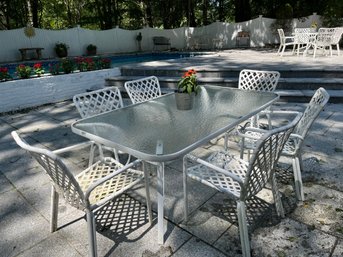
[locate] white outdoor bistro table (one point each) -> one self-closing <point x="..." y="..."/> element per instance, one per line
<point x="157" y="132"/>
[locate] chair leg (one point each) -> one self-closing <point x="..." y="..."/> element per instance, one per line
<point x="277" y="197"/>
<point x="91" y="154"/>
<point x="243" y="228"/>
<point x="241" y="154"/>
<point x="185" y="189"/>
<point x="297" y="179"/>
<point x="91" y="233"/>
<point x="226" y="138"/>
<point x="338" y="53"/>
<point x="54" y="209"/>
<point x="147" y="192"/>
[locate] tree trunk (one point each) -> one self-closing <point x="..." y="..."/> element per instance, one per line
<point x="204" y="12"/>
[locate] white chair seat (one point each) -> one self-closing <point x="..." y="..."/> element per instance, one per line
<point x="217" y="180"/>
<point x="115" y="185"/>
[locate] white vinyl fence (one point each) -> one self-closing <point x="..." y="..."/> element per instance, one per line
<point x="124" y="41"/>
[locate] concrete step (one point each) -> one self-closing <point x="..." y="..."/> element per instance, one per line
<point x="289" y="89"/>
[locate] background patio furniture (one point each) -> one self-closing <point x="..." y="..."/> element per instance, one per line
<point x="141" y="90"/>
<point x="88" y="190"/>
<point x="302" y="37"/>
<point x="293" y="146"/>
<point x="95" y="102"/>
<point x="243" y="39"/>
<point x="323" y="41"/>
<point x="336" y="38"/>
<point x="285" y="41"/>
<point x="239" y="179"/>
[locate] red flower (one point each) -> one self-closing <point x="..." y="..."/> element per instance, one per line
<point x="37" y="66"/>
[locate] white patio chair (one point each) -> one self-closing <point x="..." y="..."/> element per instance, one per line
<point x="141" y="90"/>
<point x="323" y="41"/>
<point x="302" y="36"/>
<point x="293" y="146"/>
<point x="239" y="179"/>
<point x="90" y="189"/>
<point x="285" y="41"/>
<point x="256" y="80"/>
<point x="336" y="38"/>
<point x="95" y="102"/>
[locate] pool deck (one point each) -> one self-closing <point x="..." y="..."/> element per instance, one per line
<point x="314" y="228"/>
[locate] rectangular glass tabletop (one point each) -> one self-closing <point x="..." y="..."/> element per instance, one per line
<point x="157" y="131"/>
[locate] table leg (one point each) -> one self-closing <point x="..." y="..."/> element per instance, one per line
<point x="160" y="202"/>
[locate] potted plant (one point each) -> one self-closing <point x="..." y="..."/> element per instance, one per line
<point x="91" y="49"/>
<point x="139" y="38"/>
<point x="187" y="87"/>
<point x="61" y="49"/>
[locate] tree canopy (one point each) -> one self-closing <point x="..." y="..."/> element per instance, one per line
<point x="135" y="14"/>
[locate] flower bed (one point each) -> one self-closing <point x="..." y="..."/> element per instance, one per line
<point x="25" y="93"/>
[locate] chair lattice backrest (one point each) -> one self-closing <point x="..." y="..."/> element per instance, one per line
<point x="258" y="80"/>
<point x="325" y="36"/>
<point x="337" y="35"/>
<point x="144" y="89"/>
<point x="63" y="180"/>
<point x="98" y="101"/>
<point x="302" y="35"/>
<point x="264" y="159"/>
<point x="316" y="105"/>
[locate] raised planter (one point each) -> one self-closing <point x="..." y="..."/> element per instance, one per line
<point x="24" y="93"/>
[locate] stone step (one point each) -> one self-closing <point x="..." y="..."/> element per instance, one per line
<point x="289" y="89"/>
<point x="286" y="72"/>
<point x="284" y="83"/>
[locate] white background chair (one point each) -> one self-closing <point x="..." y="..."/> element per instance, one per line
<point x="141" y="90"/>
<point x="284" y="42"/>
<point x="302" y="36"/>
<point x="90" y="189"/>
<point x="239" y="179"/>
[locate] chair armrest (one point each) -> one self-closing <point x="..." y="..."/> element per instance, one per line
<point x="72" y="147"/>
<point x="109" y="176"/>
<point x="220" y="170"/>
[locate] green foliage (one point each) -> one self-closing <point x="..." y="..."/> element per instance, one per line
<point x="4" y="74"/>
<point x="23" y="71"/>
<point x="68" y="65"/>
<point x="188" y="83"/>
<point x="333" y="13"/>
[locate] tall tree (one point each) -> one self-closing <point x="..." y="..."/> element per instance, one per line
<point x="242" y="10"/>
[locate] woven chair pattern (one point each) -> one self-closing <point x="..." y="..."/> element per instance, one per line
<point x="258" y="80"/>
<point x="98" y="101"/>
<point x="242" y="180"/>
<point x="142" y="90"/>
<point x="64" y="182"/>
<point x="218" y="180"/>
<point x="91" y="188"/>
<point x="101" y="169"/>
<point x="316" y="105"/>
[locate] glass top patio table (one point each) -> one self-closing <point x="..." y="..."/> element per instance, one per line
<point x="156" y="131"/>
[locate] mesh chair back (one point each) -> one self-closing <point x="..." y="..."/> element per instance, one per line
<point x="325" y="37"/>
<point x="337" y="35"/>
<point x="302" y="35"/>
<point x="63" y="180"/>
<point x="265" y="157"/>
<point x="144" y="89"/>
<point x="98" y="101"/>
<point x="258" y="80"/>
<point x="316" y="105"/>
